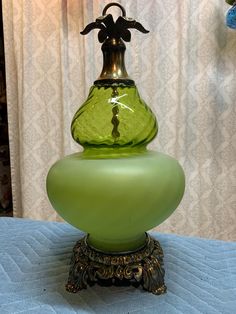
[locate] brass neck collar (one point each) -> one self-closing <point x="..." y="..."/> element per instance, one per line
<point x="114" y="70"/>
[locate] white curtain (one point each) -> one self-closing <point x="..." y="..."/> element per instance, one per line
<point x="184" y="68"/>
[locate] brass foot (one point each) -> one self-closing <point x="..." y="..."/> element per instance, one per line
<point x="144" y="267"/>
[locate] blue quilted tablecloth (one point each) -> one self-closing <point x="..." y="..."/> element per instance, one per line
<point x="34" y="262"/>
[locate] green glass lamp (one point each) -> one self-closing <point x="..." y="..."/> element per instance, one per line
<point x="116" y="189"/>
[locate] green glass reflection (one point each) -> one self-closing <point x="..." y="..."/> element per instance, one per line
<point x="114" y="116"/>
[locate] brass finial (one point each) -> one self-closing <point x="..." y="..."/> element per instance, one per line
<point x="112" y="34"/>
<point x="110" y="29"/>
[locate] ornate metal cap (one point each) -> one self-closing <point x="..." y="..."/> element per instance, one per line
<point x="112" y="34"/>
<point x="110" y="29"/>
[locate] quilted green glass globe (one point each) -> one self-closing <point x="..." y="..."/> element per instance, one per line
<point x="114" y="117"/>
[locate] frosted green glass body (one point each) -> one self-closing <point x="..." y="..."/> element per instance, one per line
<point x="115" y="199"/>
<point x="116" y="189"/>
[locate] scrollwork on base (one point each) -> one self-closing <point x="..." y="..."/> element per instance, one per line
<point x="144" y="267"/>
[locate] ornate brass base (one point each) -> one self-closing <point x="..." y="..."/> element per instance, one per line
<point x="144" y="267"/>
